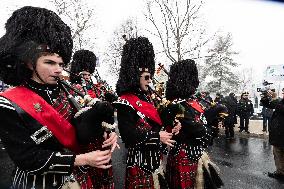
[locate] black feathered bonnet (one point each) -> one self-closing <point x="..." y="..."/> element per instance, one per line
<point x="31" y="31"/>
<point x="83" y="60"/>
<point x="183" y="80"/>
<point x="137" y="57"/>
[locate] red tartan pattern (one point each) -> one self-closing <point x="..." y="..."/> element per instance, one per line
<point x="143" y="126"/>
<point x="136" y="178"/>
<point x="63" y="107"/>
<point x="95" y="178"/>
<point x="180" y="171"/>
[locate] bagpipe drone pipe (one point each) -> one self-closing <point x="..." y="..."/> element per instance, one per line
<point x="106" y="92"/>
<point x="91" y="121"/>
<point x="101" y="90"/>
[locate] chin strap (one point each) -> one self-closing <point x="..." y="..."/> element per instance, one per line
<point x="34" y="67"/>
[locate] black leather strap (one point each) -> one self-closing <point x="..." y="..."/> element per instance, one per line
<point x="28" y="120"/>
<point x="39" y="133"/>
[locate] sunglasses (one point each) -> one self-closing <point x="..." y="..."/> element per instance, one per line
<point x="147" y="77"/>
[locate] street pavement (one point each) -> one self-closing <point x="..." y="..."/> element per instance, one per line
<point x="244" y="162"/>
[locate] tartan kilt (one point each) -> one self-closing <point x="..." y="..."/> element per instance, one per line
<point x="92" y="177"/>
<point x="136" y="178"/>
<point x="180" y="171"/>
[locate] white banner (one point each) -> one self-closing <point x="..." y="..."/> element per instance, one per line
<point x="274" y="73"/>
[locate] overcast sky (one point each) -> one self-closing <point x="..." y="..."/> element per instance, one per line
<point x="256" y="25"/>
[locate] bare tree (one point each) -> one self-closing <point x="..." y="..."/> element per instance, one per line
<point x="81" y="19"/>
<point x="246" y="80"/>
<point x="178" y="26"/>
<point x="219" y="66"/>
<point x="125" y="31"/>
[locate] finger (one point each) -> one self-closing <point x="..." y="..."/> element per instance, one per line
<point x="171" y="141"/>
<point x="112" y="136"/>
<point x="109" y="142"/>
<point x="169" y="144"/>
<point x="113" y="147"/>
<point x="106" y="161"/>
<point x="105" y="135"/>
<point x="106" y="145"/>
<point x="101" y="159"/>
<point x="102" y="152"/>
<point x="104" y="166"/>
<point x="117" y="145"/>
<point x="110" y="139"/>
<point x="112" y="142"/>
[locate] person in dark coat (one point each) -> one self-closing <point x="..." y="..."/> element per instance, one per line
<point x="207" y="96"/>
<point x="82" y="67"/>
<point x="139" y="122"/>
<point x="231" y="104"/>
<point x="245" y="111"/>
<point x="276" y="132"/>
<point x="233" y="97"/>
<point x="37" y="124"/>
<point x="218" y="99"/>
<point x="266" y="118"/>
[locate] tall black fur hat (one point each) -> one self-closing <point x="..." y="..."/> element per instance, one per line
<point x="31" y="29"/>
<point x="137" y="57"/>
<point x="83" y="60"/>
<point x="183" y="80"/>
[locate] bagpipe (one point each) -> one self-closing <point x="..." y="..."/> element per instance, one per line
<point x="90" y="121"/>
<point x="106" y="92"/>
<point x="101" y="90"/>
<point x="84" y="93"/>
<point x="99" y="79"/>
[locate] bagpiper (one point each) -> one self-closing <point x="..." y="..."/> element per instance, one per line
<point x="37" y="120"/>
<point x="138" y="120"/>
<point x="188" y="166"/>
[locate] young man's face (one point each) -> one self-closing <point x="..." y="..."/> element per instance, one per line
<point x="86" y="75"/>
<point x="48" y="67"/>
<point x="145" y="80"/>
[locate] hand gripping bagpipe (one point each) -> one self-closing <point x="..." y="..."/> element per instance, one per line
<point x="92" y="121"/>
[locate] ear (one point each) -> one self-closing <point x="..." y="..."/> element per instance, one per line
<point x="30" y="66"/>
